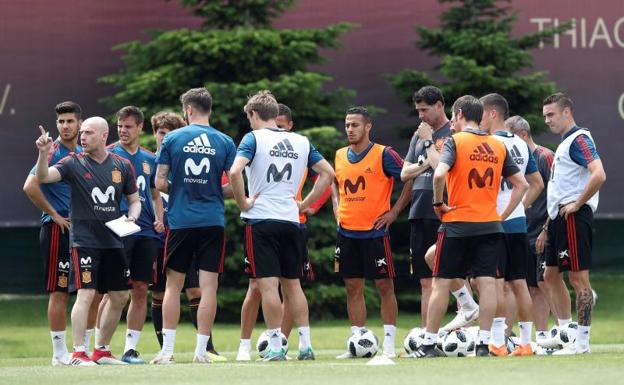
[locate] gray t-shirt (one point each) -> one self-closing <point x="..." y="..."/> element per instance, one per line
<point x="469" y="229"/>
<point x="422" y="191"/>
<point x="96" y="191"/>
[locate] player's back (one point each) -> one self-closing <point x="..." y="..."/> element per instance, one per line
<point x="197" y="155"/>
<point x="275" y="174"/>
<point x="520" y="153"/>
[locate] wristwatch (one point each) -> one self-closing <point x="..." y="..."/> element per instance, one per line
<point x="428" y="143"/>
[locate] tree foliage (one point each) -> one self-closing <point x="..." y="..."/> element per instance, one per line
<point x="478" y="55"/>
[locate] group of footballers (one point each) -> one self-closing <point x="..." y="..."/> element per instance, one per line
<point x="482" y="220"/>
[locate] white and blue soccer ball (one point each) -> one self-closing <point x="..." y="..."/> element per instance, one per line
<point x="413" y="340"/>
<point x="567" y="333"/>
<point x="363" y="344"/>
<point x="262" y="345"/>
<point x="458" y="343"/>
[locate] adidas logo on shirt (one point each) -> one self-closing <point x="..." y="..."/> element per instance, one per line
<point x="284" y="149"/>
<point x="484" y="153"/>
<point x="199" y="145"/>
<point x="516" y="155"/>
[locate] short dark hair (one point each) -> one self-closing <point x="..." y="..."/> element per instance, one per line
<point x="497" y="102"/>
<point x="471" y="107"/>
<point x="264" y="103"/>
<point x="198" y="98"/>
<point x="285" y="111"/>
<point x="360" y="110"/>
<point x="428" y="94"/>
<point x="561" y="99"/>
<point x="69" y="107"/>
<point x="166" y="119"/>
<point x="131" y="112"/>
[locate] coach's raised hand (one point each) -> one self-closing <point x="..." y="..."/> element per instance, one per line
<point x="44" y="142"/>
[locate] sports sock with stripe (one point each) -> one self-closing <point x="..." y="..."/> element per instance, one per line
<point x="304" y="337"/>
<point x="464" y="299"/>
<point x="59" y="347"/>
<point x="132" y="339"/>
<point x="526" y="331"/>
<point x="498" y="331"/>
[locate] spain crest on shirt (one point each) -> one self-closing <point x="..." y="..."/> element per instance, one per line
<point x="116" y="176"/>
<point x="146" y="168"/>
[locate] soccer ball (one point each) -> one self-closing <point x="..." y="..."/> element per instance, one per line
<point x="263" y="344"/>
<point x="458" y="343"/>
<point x="363" y="344"/>
<point x="567" y="333"/>
<point x="413" y="340"/>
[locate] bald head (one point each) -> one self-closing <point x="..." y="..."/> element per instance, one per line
<point x="97" y="123"/>
<point x="93" y="134"/>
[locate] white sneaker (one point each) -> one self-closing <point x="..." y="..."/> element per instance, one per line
<point x="62" y="361"/>
<point x="244" y="354"/>
<point x="548" y="342"/>
<point x="570" y="350"/>
<point x="344" y="356"/>
<point x="201" y="360"/>
<point x="162" y="359"/>
<point x="463" y="318"/>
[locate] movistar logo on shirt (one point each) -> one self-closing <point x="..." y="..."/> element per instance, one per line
<point x="194" y="170"/>
<point x="100" y="197"/>
<point x="199" y="145"/>
<point x="484" y="152"/>
<point x="284" y="149"/>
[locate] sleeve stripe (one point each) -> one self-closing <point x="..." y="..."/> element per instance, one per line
<point x="584" y="146"/>
<point x="395" y="156"/>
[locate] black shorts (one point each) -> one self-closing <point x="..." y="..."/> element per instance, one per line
<point x="369" y="258"/>
<point x="140" y="256"/>
<point x="101" y="269"/>
<point x="273" y="249"/>
<point x="206" y="244"/>
<point x="55" y="252"/>
<point x="423" y="234"/>
<point x="307" y="271"/>
<point x="570" y="241"/>
<point x="516" y="257"/>
<point x="159" y="279"/>
<point x="535" y="267"/>
<point x="478" y="255"/>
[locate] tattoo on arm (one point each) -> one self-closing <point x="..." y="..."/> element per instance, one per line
<point x="584" y="300"/>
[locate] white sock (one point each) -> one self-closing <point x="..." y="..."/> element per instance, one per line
<point x="484" y="337"/>
<point x="582" y="338"/>
<point x="245" y="343"/>
<point x="80" y="348"/>
<point x="59" y="347"/>
<point x="541" y="334"/>
<point x="132" y="339"/>
<point x="304" y="337"/>
<point x="464" y="299"/>
<point x="526" y="331"/>
<point x="430" y="338"/>
<point x="564" y="321"/>
<point x="498" y="331"/>
<point x="104" y="348"/>
<point x="168" y="341"/>
<point x="275" y="338"/>
<point x="96" y="338"/>
<point x="202" y="342"/>
<point x="389" y="336"/>
<point x="355" y="329"/>
<point x="87" y="339"/>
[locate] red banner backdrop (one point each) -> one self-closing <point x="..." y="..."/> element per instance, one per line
<point x="54" y="51"/>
